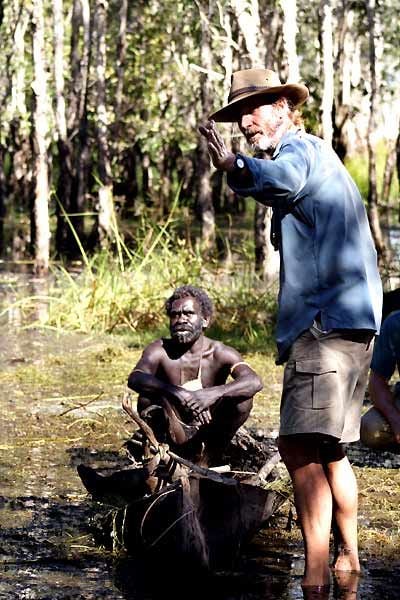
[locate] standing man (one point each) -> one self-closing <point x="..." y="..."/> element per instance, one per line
<point x="329" y="302"/>
<point x="182" y="382"/>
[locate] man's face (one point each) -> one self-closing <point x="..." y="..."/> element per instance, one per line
<point x="262" y="125"/>
<point x="186" y="322"/>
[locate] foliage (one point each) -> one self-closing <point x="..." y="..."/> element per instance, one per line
<point x="123" y="290"/>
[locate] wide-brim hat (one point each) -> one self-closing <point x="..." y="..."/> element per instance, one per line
<point x="262" y="83"/>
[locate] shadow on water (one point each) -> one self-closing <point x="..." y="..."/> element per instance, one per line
<point x="47" y="550"/>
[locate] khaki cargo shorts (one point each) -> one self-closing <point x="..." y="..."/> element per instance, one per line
<point x="324" y="383"/>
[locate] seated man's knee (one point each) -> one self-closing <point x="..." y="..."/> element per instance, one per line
<point x="244" y="407"/>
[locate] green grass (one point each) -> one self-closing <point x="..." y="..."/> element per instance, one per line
<point x="123" y="290"/>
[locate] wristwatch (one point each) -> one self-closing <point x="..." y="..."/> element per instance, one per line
<point x="239" y="163"/>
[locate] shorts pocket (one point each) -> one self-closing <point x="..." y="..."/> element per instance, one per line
<point x="324" y="381"/>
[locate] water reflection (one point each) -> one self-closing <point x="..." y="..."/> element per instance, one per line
<point x="47" y="548"/>
<point x="23" y="298"/>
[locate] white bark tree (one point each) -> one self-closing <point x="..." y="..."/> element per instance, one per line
<point x="41" y="136"/>
<point x="105" y="196"/>
<point x="289" y="27"/>
<point x="328" y="78"/>
<point x="248" y="17"/>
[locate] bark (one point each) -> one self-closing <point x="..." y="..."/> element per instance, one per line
<point x="77" y="121"/>
<point x="204" y="205"/>
<point x="64" y="183"/>
<point x="247" y="13"/>
<point x="373" y="213"/>
<point x="289" y="26"/>
<point x="327" y="57"/>
<point x="105" y="197"/>
<point x="248" y="16"/>
<point x="2" y="200"/>
<point x="388" y="173"/>
<point x="398" y="161"/>
<point x="121" y="56"/>
<point x="40" y="134"/>
<point x="343" y="66"/>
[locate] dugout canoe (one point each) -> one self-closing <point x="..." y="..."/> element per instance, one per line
<point x="168" y="509"/>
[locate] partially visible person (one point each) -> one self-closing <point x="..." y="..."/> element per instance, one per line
<point x="380" y="426"/>
<point x="195" y="391"/>
<point x="330" y="302"/>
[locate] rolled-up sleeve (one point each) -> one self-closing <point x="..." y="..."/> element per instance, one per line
<point x="278" y="181"/>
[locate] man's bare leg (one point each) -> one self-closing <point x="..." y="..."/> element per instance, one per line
<point x="313" y="498"/>
<point x="345" y="501"/>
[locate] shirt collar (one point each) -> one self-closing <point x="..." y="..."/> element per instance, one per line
<point x="285" y="136"/>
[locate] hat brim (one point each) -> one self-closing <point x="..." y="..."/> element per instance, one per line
<point x="296" y="92"/>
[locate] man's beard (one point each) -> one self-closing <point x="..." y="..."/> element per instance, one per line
<point x="186" y="335"/>
<point x="263" y="144"/>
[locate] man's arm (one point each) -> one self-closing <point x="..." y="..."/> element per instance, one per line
<point x="143" y="378"/>
<point x="246" y="383"/>
<point x="383" y="400"/>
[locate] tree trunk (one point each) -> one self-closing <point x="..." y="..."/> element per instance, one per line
<point x="248" y="16"/>
<point x="204" y="204"/>
<point x="289" y="8"/>
<point x="105" y="196"/>
<point x="343" y="65"/>
<point x="373" y="213"/>
<point x="40" y="133"/>
<point x="64" y="183"/>
<point x="327" y="57"/>
<point x="390" y="165"/>
<point x="398" y="162"/>
<point x="2" y="200"/>
<point x="77" y="120"/>
<point x="121" y="56"/>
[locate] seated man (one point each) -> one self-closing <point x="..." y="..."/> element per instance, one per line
<point x="380" y="426"/>
<point x="181" y="382"/>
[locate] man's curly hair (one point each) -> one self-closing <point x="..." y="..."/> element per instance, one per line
<point x="185" y="291"/>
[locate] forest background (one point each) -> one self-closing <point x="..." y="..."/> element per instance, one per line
<point x="105" y="181"/>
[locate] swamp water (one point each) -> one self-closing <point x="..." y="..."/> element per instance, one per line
<point x="60" y="397"/>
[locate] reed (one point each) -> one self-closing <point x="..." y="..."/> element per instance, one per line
<point x="123" y="288"/>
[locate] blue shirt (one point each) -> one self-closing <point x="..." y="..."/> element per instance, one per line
<point x="328" y="262"/>
<point x="386" y="354"/>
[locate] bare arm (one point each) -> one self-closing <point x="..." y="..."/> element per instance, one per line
<point x="246" y="383"/>
<point x="383" y="400"/>
<point x="143" y="378"/>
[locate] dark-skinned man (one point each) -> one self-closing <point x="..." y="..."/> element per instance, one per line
<point x="380" y="426"/>
<point x="182" y="382"/>
<point x="329" y="302"/>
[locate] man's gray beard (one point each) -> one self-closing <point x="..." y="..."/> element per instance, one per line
<point x="265" y="145"/>
<point x="186" y="337"/>
<point x="183" y="337"/>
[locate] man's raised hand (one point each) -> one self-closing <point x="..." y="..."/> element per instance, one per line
<point x="221" y="158"/>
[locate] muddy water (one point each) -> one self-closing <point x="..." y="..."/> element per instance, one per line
<point x="59" y="406"/>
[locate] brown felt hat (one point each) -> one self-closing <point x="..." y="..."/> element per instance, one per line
<point x="262" y="83"/>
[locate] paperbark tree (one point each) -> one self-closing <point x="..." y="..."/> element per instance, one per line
<point x="204" y="204"/>
<point x="327" y="59"/>
<point x="121" y="56"/>
<point x="40" y="136"/>
<point x="373" y="213"/>
<point x="289" y="28"/>
<point x="77" y="119"/>
<point x="248" y="17"/>
<point x="64" y="183"/>
<point x="105" y="196"/>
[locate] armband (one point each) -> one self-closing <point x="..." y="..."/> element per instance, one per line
<point x="242" y="362"/>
